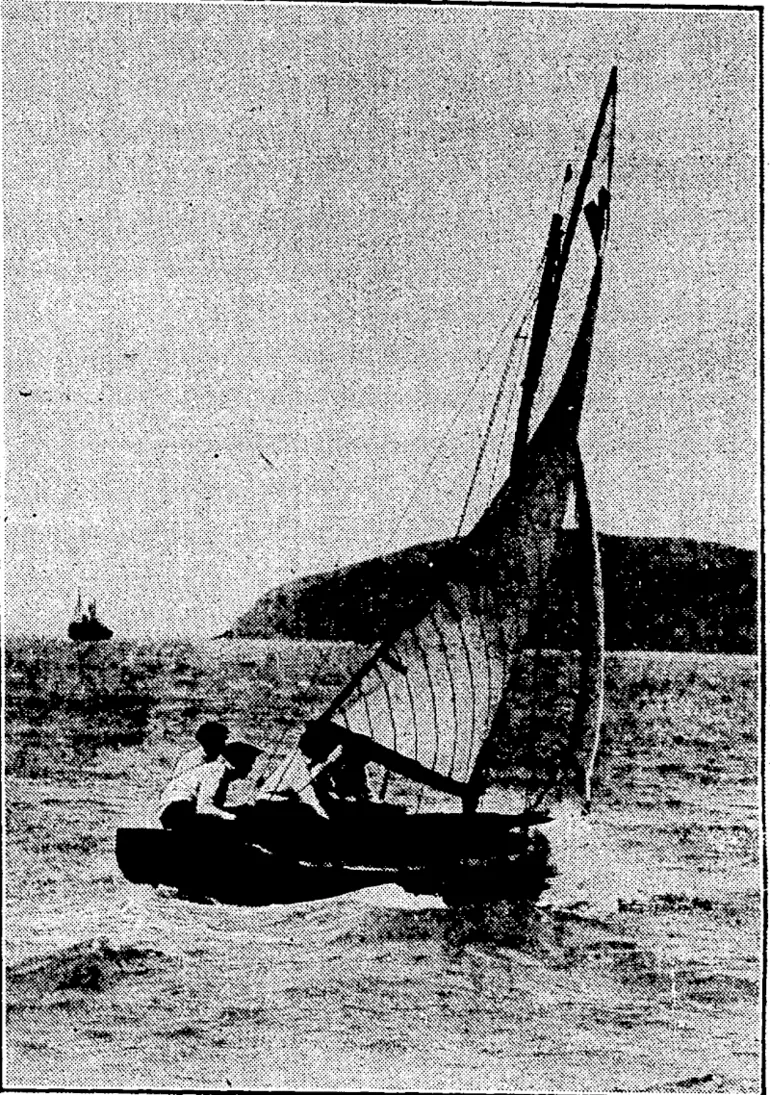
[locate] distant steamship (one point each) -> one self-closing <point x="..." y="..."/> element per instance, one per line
<point x="86" y="627"/>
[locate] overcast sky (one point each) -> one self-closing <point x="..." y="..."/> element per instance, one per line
<point x="255" y="256"/>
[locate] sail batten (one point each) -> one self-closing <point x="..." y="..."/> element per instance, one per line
<point x="452" y="687"/>
<point x="471" y="684"/>
<point x="367" y="711"/>
<point x="413" y="709"/>
<point x="431" y="693"/>
<point x="488" y="657"/>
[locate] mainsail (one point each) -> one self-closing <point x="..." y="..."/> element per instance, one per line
<point x="461" y="694"/>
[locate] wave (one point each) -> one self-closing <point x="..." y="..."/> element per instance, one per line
<point x="92" y="965"/>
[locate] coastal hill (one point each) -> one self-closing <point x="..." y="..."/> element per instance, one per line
<point x="660" y="594"/>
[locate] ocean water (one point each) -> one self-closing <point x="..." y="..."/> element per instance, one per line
<point x="638" y="969"/>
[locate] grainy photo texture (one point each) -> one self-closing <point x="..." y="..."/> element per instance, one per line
<point x="381" y="539"/>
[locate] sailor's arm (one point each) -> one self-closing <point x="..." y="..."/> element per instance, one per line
<point x="293" y="783"/>
<point x="212" y="789"/>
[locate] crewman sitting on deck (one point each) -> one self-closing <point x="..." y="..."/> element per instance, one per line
<point x="342" y="779"/>
<point x="294" y="782"/>
<point x="337" y="764"/>
<point x="202" y="791"/>
<point x="325" y="776"/>
<point x="211" y="738"/>
<point x="337" y="771"/>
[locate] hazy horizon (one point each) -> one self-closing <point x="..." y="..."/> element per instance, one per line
<point x="254" y="256"/>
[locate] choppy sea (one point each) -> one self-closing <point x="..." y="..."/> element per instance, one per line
<point x="639" y="969"/>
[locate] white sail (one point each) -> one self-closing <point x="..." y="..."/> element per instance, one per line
<point x="462" y="693"/>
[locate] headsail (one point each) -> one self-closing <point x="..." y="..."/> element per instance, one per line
<point x="460" y="694"/>
<point x="540" y="724"/>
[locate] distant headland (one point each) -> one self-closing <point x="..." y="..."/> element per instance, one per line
<point x="660" y="594"/>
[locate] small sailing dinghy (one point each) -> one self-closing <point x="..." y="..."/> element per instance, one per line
<point x="470" y="727"/>
<point x="86" y="627"/>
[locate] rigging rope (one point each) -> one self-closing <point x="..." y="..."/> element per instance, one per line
<point x="502" y="444"/>
<point x="483" y="368"/>
<point x="528" y="297"/>
<point x="491" y="421"/>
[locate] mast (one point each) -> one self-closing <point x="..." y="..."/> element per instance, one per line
<point x="541" y="333"/>
<point x="557" y="255"/>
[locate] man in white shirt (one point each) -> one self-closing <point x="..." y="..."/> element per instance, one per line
<point x="202" y="791"/>
<point x="211" y="737"/>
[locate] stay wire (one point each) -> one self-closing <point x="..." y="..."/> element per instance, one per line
<point x="483" y="368"/>
<point x="511" y="360"/>
<point x="502" y="444"/>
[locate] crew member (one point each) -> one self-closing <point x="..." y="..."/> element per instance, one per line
<point x="202" y="791"/>
<point x="342" y="779"/>
<point x="295" y="782"/>
<point x="211" y="738"/>
<point x="337" y="771"/>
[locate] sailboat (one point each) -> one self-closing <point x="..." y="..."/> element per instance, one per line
<point x="86" y="627"/>
<point x="468" y="727"/>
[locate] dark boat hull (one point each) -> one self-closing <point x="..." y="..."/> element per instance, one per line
<point x="463" y="860"/>
<point x="89" y="632"/>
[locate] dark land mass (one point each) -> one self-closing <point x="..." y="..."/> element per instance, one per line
<point x="660" y="594"/>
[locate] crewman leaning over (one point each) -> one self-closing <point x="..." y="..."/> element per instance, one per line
<point x="293" y="782"/>
<point x="211" y="737"/>
<point x="202" y="791"/>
